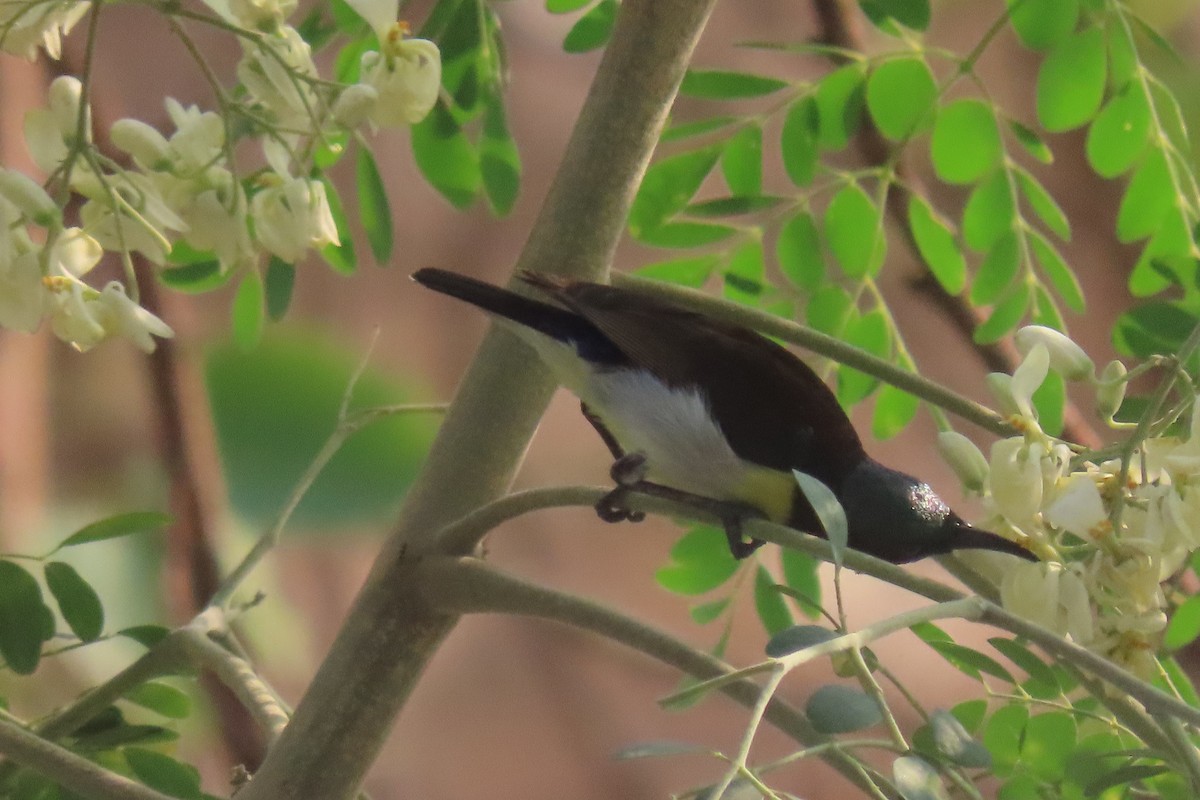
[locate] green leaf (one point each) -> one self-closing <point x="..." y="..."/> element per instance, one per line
<point x="659" y="750"/>
<point x="374" y="212"/>
<point x="1043" y="23"/>
<point x="1119" y="134"/>
<point x="161" y="772"/>
<point x="916" y="779"/>
<point x="499" y="160"/>
<point x="1032" y="143"/>
<point x="77" y="600"/>
<point x="1049" y="739"/>
<point x="798" y="250"/>
<point x="1044" y="205"/>
<point x="744" y="273"/>
<point x="116" y="526"/>
<point x="1056" y="269"/>
<point x="1184" y="626"/>
<point x="700" y="562"/>
<point x="705" y="613"/>
<point x="839" y="99"/>
<point x="668" y="186"/>
<point x="912" y="14"/>
<point x="971" y="662"/>
<point x="854" y="230"/>
<point x="161" y="698"/>
<point x="249" y="313"/>
<point x="900" y="96"/>
<point x="593" y="29"/>
<point x="998" y="270"/>
<point x="724" y="85"/>
<point x="990" y="213"/>
<point x="1002" y="737"/>
<point x="145" y="635"/>
<point x="894" y="409"/>
<point x="800" y="573"/>
<point x="829" y="511"/>
<point x="741" y="162"/>
<point x="834" y="708"/>
<point x="965" y="144"/>
<point x="733" y="206"/>
<point x="1005" y="317"/>
<point x="869" y="332"/>
<point x="690" y="271"/>
<point x="1157" y="328"/>
<point x="678" y="235"/>
<point x="1148" y="197"/>
<point x="1122" y="776"/>
<point x="829" y="309"/>
<point x="281" y="278"/>
<point x="340" y="256"/>
<point x="1170" y="251"/>
<point x="796" y="638"/>
<point x="935" y="241"/>
<point x="772" y="610"/>
<point x="799" y="141"/>
<point x="1041" y="684"/>
<point x="1071" y="81"/>
<point x="565" y="6"/>
<point x="22" y="618"/>
<point x="446" y="158"/>
<point x="955" y="743"/>
<point x="195" y="278"/>
<point x="686" y="130"/>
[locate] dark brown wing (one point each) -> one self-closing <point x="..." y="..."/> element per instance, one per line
<point x="771" y="406"/>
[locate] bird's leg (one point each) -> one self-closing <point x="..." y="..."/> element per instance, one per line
<point x="731" y="514"/>
<point x="628" y="469"/>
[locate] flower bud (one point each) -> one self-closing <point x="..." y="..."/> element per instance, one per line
<point x="1066" y="357"/>
<point x="30" y="198"/>
<point x="354" y="105"/>
<point x="962" y="456"/>
<point x="64" y="96"/>
<point x="1000" y="385"/>
<point x="148" y="147"/>
<point x="1110" y="389"/>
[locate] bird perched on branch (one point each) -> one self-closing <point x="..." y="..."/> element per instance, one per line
<point x="717" y="414"/>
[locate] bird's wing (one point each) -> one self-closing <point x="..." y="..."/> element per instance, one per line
<point x="771" y="406"/>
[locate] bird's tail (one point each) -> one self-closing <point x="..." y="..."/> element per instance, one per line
<point x="551" y="320"/>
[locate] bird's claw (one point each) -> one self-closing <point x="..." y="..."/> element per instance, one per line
<point x="738" y="548"/>
<point x="612" y="507"/>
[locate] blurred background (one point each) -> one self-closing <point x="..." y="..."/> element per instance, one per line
<point x="508" y="707"/>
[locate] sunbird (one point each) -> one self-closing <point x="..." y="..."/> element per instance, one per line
<point x="718" y="414"/>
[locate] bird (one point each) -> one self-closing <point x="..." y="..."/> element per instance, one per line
<point x="717" y="414"/>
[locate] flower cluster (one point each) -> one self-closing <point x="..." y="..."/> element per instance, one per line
<point x="1108" y="532"/>
<point x="183" y="187"/>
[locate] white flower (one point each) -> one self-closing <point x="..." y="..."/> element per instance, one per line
<point x="278" y="79"/>
<point x="1015" y="480"/>
<point x="379" y="14"/>
<point x="1066" y="357"/>
<point x="961" y="454"/>
<point x="1028" y="377"/>
<point x="26" y="25"/>
<point x="148" y="147"/>
<point x="30" y="198"/>
<point x="199" y="137"/>
<point x="293" y="216"/>
<point x="120" y="316"/>
<point x="355" y="104"/>
<point x="261" y="15"/>
<point x="408" y="76"/>
<point x="143" y="222"/>
<point x="217" y="222"/>
<point x="50" y="131"/>
<point x="1049" y="595"/>
<point x="1078" y="507"/>
<point x="22" y="293"/>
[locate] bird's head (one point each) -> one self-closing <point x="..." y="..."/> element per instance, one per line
<point x="898" y="518"/>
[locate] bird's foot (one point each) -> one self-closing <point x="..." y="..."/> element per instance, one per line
<point x="628" y="472"/>
<point x="731" y="520"/>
